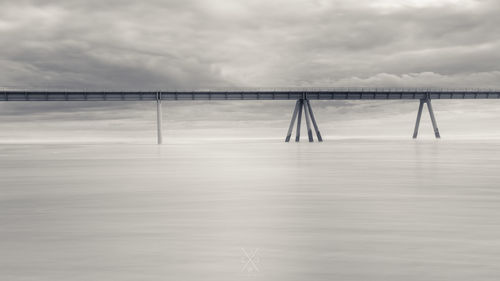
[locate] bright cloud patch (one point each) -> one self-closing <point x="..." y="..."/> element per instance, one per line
<point x="394" y="4"/>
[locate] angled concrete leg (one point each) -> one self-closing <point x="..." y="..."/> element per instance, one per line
<point x="292" y="122"/>
<point x="158" y="121"/>
<point x="299" y="120"/>
<point x="433" y="119"/>
<point x="419" y="115"/>
<point x="308" y="122"/>
<point x="318" y="134"/>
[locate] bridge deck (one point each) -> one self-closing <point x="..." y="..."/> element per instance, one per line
<point x="243" y="95"/>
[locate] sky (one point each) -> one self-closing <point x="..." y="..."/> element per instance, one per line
<point x="196" y="44"/>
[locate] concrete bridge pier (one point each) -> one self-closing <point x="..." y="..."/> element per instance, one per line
<point x="303" y="105"/>
<point x="159" y="119"/>
<point x="427" y="101"/>
<point x="292" y="122"/>
<point x="299" y="120"/>
<point x="308" y="123"/>
<point x="313" y="119"/>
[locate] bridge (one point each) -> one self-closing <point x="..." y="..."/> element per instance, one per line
<point x="301" y="96"/>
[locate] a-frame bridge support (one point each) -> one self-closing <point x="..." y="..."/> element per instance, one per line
<point x="303" y="105"/>
<point x="427" y="101"/>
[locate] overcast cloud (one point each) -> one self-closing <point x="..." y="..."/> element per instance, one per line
<point x="219" y="43"/>
<point x="198" y="44"/>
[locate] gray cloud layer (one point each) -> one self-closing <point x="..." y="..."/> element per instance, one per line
<point x="199" y="44"/>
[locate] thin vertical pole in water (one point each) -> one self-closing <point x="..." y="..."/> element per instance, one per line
<point x="419" y="115"/>
<point x="433" y="119"/>
<point x="159" y="119"/>
<point x="292" y="122"/>
<point x="308" y="122"/>
<point x="314" y="121"/>
<point x="299" y="120"/>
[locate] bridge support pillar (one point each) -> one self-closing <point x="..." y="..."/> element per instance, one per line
<point x="303" y="105"/>
<point x="292" y="122"/>
<point x="159" y="121"/>
<point x="299" y="120"/>
<point x="313" y="119"/>
<point x="308" y="122"/>
<point x="431" y="113"/>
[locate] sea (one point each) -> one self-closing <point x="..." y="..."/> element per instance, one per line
<point x="344" y="209"/>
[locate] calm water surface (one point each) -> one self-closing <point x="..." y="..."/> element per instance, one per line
<point x="251" y="210"/>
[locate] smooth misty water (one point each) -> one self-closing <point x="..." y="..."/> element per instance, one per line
<point x="340" y="210"/>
